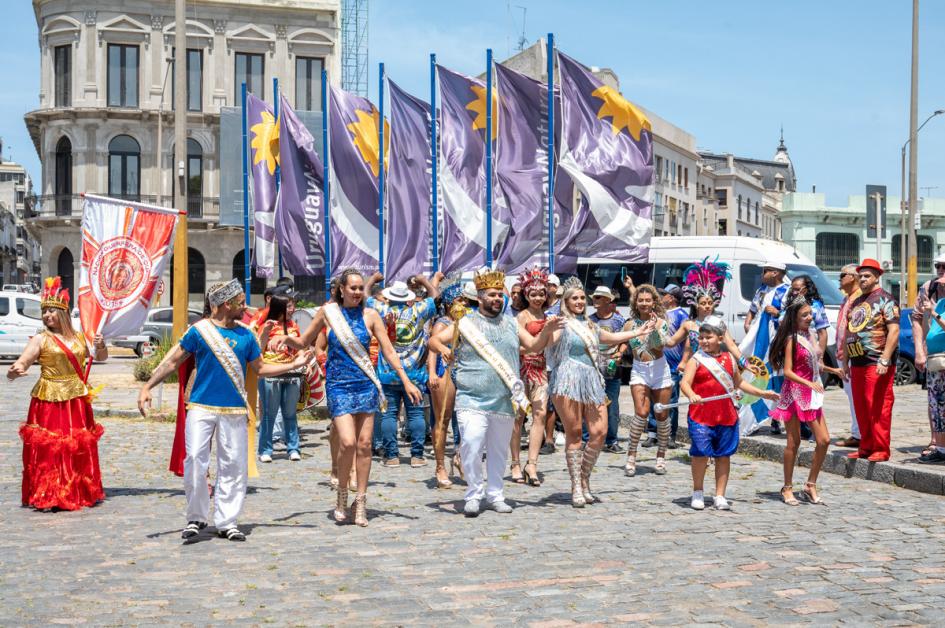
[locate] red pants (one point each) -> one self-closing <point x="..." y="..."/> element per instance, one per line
<point x="873" y="401"/>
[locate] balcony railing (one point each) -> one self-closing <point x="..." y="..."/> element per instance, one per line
<point x="70" y="205"/>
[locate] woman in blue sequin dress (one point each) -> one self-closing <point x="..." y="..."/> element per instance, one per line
<point x="353" y="396"/>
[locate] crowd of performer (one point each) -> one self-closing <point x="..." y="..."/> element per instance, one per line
<point x="486" y="360"/>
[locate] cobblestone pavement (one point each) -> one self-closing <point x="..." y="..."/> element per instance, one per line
<point x="872" y="555"/>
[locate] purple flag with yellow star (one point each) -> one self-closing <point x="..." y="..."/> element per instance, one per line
<point x="521" y="168"/>
<point x="607" y="150"/>
<point x="299" y="216"/>
<point x="354" y="169"/>
<point x="408" y="186"/>
<point x="462" y="172"/>
<point x="264" y="144"/>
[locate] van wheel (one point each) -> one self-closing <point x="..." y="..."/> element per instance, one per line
<point x="139" y="349"/>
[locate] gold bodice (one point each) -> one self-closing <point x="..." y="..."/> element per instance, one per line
<point x="58" y="380"/>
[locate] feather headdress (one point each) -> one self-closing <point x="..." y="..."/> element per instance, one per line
<point x="54" y="295"/>
<point x="534" y="278"/>
<point x="705" y="279"/>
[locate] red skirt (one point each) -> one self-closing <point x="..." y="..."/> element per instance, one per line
<point x="60" y="455"/>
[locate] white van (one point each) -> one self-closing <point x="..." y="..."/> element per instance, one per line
<point x="669" y="258"/>
<point x="20" y="319"/>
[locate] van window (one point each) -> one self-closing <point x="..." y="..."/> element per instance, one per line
<point x="29" y="308"/>
<point x="749" y="276"/>
<point x="611" y="275"/>
<point x="4" y="306"/>
<point x="665" y="274"/>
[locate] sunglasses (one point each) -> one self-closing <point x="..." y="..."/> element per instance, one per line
<point x="939" y="266"/>
<point x="842" y="275"/>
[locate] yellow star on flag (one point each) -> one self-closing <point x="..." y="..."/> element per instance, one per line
<point x="621" y="112"/>
<point x="265" y="142"/>
<point x="364" y="136"/>
<point x="478" y="107"/>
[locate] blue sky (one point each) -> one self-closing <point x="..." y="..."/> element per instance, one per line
<point x="835" y="74"/>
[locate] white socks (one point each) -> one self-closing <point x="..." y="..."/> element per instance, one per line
<point x="698" y="502"/>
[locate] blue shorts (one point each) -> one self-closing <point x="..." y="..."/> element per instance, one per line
<point x="719" y="441"/>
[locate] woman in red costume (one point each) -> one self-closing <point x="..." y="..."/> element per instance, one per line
<point x="534" y="374"/>
<point x="60" y="436"/>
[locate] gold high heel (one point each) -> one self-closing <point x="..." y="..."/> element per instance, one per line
<point x="587" y="467"/>
<point x="516" y="465"/>
<point x="810" y="495"/>
<point x="441" y="482"/>
<point x="790" y="501"/>
<point x="341" y="506"/>
<point x="456" y="466"/>
<point x="531" y="478"/>
<point x="573" y="457"/>
<point x="359" y="510"/>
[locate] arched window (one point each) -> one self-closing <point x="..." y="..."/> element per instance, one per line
<point x="124" y="168"/>
<point x="63" y="177"/>
<point x="834" y="250"/>
<point x="257" y="285"/>
<point x="196" y="273"/>
<point x="65" y="268"/>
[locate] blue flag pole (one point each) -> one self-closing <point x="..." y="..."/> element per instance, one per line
<point x="433" y="162"/>
<point x="380" y="168"/>
<point x="489" y="157"/>
<point x="275" y="111"/>
<point x="246" y="275"/>
<point x="550" y="53"/>
<point x="325" y="187"/>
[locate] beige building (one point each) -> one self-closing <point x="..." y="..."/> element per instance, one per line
<point x="107" y="86"/>
<point x="19" y="249"/>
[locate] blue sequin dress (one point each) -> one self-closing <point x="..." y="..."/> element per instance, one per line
<point x="348" y="389"/>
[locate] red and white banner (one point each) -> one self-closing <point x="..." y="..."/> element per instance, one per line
<point x="125" y="248"/>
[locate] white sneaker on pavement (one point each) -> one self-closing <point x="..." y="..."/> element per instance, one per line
<point x="698" y="501"/>
<point x="472" y="508"/>
<point x="499" y="506"/>
<point x="721" y="503"/>
<point x="265" y="458"/>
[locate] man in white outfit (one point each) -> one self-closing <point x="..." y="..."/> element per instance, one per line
<point x="222" y="348"/>
<point x="488" y="389"/>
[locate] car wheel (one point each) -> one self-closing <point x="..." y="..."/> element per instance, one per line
<point x="139" y="349"/>
<point x="905" y="372"/>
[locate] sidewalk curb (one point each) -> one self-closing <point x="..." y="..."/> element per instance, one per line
<point x="105" y="411"/>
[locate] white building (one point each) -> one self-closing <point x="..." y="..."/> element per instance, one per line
<point x="106" y="76"/>
<point x="16" y="199"/>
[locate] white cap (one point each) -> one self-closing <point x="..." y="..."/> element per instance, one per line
<point x="603" y="291"/>
<point x="775" y="265"/>
<point x="469" y="291"/>
<point x="940" y="259"/>
<point x="554" y="280"/>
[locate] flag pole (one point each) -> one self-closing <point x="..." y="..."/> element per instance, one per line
<point x="489" y="157"/>
<point x="246" y="275"/>
<point x="380" y="168"/>
<point x="550" y="53"/>
<point x="275" y="111"/>
<point x="433" y="163"/>
<point x="325" y="187"/>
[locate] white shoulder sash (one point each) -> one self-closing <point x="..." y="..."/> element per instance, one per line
<point x="591" y="343"/>
<point x="353" y="347"/>
<point x="816" y="398"/>
<point x="719" y="373"/>
<point x="493" y="358"/>
<point x="224" y="355"/>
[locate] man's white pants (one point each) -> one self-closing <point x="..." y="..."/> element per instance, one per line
<point x="232" y="466"/>
<point x="854" y="428"/>
<point x="490" y="431"/>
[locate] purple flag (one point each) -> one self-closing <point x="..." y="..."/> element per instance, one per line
<point x="264" y="144"/>
<point x="299" y="216"/>
<point x="354" y="151"/>
<point x="462" y="172"/>
<point x="408" y="186"/>
<point x="607" y="150"/>
<point x="521" y="168"/>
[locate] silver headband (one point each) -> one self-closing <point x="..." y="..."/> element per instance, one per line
<point x="220" y="294"/>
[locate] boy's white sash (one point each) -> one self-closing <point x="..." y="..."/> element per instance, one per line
<point x="353" y="348"/>
<point x="500" y="365"/>
<point x="719" y="373"/>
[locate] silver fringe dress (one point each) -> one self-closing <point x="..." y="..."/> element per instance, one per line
<point x="573" y="374"/>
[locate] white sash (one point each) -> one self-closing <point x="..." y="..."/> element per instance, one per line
<point x="816" y="398"/>
<point x="503" y="369"/>
<point x="353" y="348"/>
<point x="583" y="331"/>
<point x="716" y="370"/>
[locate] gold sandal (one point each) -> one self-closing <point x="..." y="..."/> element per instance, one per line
<point x="441" y="482"/>
<point x="359" y="510"/>
<point x="810" y="496"/>
<point x="531" y="478"/>
<point x="793" y="500"/>
<point x="341" y="506"/>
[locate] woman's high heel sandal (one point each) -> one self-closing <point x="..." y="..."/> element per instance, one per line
<point x="790" y="501"/>
<point x="456" y="466"/>
<point x="341" y="506"/>
<point x="442" y="482"/>
<point x="518" y="479"/>
<point x="573" y="458"/>
<point x="359" y="510"/>
<point x="809" y="494"/>
<point x="531" y="477"/>
<point x="587" y="467"/>
<point x="630" y="469"/>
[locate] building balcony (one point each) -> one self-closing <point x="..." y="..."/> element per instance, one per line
<point x="53" y="207"/>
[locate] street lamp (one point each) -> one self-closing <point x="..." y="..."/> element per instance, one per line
<point x="902" y="212"/>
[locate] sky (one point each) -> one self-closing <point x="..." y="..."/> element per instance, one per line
<point x="834" y="74"/>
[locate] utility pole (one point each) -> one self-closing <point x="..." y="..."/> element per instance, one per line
<point x="913" y="156"/>
<point x="181" y="289"/>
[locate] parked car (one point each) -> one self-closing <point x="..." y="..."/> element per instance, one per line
<point x="906" y="372"/>
<point x="20" y="319"/>
<point x="156" y="329"/>
<point x="20" y="287"/>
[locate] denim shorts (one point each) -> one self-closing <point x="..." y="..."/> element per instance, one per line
<point x="712" y="441"/>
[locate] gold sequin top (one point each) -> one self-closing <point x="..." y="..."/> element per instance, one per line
<point x="58" y="380"/>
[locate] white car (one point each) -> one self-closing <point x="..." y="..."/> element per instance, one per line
<point x="20" y="319"/>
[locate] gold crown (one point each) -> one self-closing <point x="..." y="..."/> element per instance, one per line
<point x="54" y="295"/>
<point x="489" y="279"/>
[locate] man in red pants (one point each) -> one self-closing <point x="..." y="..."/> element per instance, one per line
<point x="871" y="342"/>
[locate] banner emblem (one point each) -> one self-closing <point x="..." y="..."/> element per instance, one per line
<point x="118" y="272"/>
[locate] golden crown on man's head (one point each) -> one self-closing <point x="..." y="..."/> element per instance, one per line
<point x="489" y="279"/>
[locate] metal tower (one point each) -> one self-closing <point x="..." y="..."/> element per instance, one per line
<point x="354" y="46"/>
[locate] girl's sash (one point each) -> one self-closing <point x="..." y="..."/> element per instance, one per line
<point x="508" y="375"/>
<point x="716" y="370"/>
<point x="353" y="348"/>
<point x="234" y="370"/>
<point x="816" y="398"/>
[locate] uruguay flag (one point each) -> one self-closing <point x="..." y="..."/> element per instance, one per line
<point x="756" y="343"/>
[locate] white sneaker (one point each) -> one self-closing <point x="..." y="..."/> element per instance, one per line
<point x="295" y="456"/>
<point x="265" y="458"/>
<point x="559" y="439"/>
<point x="698" y="502"/>
<point x="472" y="508"/>
<point x="721" y="503"/>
